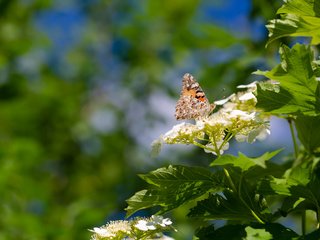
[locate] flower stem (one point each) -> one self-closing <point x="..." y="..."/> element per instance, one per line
<point x="198" y="144"/>
<point x="295" y="145"/>
<point x="303" y="223"/>
<point x="230" y="180"/>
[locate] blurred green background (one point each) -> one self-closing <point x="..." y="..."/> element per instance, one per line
<point x="86" y="86"/>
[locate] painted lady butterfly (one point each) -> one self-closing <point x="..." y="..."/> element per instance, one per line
<point x="193" y="103"/>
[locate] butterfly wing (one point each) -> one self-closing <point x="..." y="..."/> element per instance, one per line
<point x="193" y="102"/>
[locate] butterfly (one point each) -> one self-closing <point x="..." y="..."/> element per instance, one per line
<point x="193" y="103"/>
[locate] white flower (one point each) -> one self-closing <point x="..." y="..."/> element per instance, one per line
<point x="241" y="137"/>
<point x="247" y="96"/>
<point x="225" y="100"/>
<point x="252" y="85"/>
<point x="229" y="106"/>
<point x="153" y="223"/>
<point x="166" y="222"/>
<point x="216" y="119"/>
<point x="242" y="115"/>
<point x="130" y="229"/>
<point x="262" y="132"/>
<point x="183" y="133"/>
<point x="102" y="232"/>
<point x="111" y="230"/>
<point x="200" y="123"/>
<point x="144" y="225"/>
<point x="159" y="220"/>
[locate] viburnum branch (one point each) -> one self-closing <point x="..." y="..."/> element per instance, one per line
<point x="237" y="118"/>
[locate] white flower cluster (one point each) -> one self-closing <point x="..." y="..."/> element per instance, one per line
<point x="141" y="228"/>
<point x="153" y="223"/>
<point x="237" y="118"/>
<point x="112" y="230"/>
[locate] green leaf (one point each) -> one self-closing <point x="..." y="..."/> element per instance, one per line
<point x="244" y="162"/>
<point x="277" y="231"/>
<point x="277" y="103"/>
<point x="308" y="129"/>
<point x="173" y="186"/>
<point x="144" y="199"/>
<point x="288" y="204"/>
<point x="230" y="232"/>
<point x="230" y="205"/>
<point x="276" y="170"/>
<point x="177" y="175"/>
<point x="298" y="85"/>
<point x="252" y="231"/>
<point x="227" y="207"/>
<point x="268" y="85"/>
<point x="297" y="177"/>
<point x="298" y="18"/>
<point x="303" y="198"/>
<point x="291" y="204"/>
<point x="274" y="186"/>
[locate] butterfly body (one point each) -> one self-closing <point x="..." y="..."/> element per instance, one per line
<point x="193" y="103"/>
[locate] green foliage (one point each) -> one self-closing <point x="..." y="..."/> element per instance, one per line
<point x="307" y="127"/>
<point x="298" y="85"/>
<point x="254" y="231"/>
<point x="298" y="94"/>
<point x="252" y="186"/>
<point x="300" y="187"/>
<point x="174" y="186"/>
<point x="244" y="162"/>
<point x="298" y="18"/>
<point x="228" y="206"/>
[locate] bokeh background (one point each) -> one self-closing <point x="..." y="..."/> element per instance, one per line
<point x="87" y="85"/>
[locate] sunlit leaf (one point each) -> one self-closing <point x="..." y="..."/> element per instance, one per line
<point x="254" y="233"/>
<point x="302" y="198"/>
<point x="273" y="186"/>
<point x="298" y="18"/>
<point x="276" y="230"/>
<point x="297" y="177"/>
<point x="174" y="175"/>
<point x="244" y="162"/>
<point x="298" y="85"/>
<point x="173" y="186"/>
